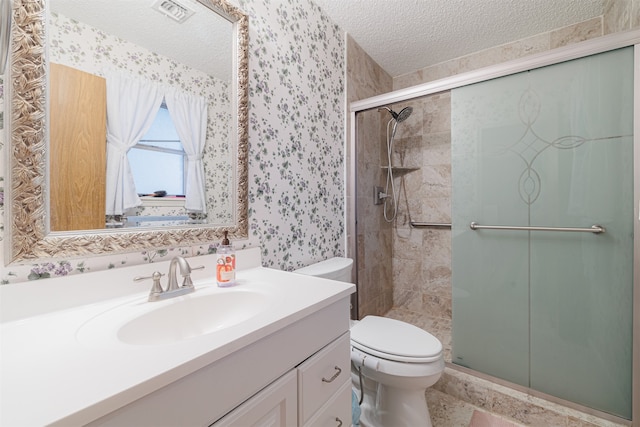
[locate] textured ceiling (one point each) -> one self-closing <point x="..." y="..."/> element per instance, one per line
<point x="405" y="35"/>
<point x="199" y="42"/>
<point x="400" y="35"/>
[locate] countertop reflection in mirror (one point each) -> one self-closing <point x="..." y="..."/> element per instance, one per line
<point x="29" y="190"/>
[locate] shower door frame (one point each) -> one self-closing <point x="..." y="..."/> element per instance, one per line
<point x="551" y="57"/>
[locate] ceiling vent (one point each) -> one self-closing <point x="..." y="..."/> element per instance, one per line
<point x="173" y="10"/>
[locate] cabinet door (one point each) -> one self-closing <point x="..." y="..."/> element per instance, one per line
<point x="78" y="137"/>
<point x="275" y="406"/>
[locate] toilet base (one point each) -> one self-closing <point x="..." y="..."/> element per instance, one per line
<point x="391" y="406"/>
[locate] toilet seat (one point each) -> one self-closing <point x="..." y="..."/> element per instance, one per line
<point x="395" y="340"/>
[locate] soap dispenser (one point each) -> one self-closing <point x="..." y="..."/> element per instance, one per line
<point x="225" y="263"/>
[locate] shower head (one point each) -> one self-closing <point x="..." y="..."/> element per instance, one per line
<point x="404" y="114"/>
<point x="401" y="116"/>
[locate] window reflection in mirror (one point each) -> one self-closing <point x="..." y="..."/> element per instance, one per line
<point x="158" y="164"/>
<point x="158" y="159"/>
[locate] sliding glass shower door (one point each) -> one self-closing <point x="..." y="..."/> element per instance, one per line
<point x="547" y="309"/>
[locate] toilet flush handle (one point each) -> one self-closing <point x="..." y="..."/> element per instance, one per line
<point x="363" y="359"/>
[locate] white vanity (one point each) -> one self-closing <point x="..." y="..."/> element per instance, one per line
<point x="90" y="349"/>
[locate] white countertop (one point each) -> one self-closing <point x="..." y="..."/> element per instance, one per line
<point x="49" y="376"/>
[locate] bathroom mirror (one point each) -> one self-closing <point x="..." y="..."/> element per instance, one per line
<point x="29" y="235"/>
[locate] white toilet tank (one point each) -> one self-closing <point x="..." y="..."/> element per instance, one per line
<point x="336" y="268"/>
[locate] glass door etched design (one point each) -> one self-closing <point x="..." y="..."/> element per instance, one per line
<point x="550" y="310"/>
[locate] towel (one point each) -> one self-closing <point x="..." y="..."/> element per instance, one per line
<point x="355" y="409"/>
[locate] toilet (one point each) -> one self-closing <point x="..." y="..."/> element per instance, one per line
<point x="394" y="361"/>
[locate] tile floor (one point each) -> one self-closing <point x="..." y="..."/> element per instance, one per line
<point x="484" y="419"/>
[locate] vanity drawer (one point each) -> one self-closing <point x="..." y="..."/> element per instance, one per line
<point x="336" y="412"/>
<point x="321" y="376"/>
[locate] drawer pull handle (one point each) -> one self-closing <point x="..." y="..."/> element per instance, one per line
<point x="338" y="370"/>
<point x="339" y="422"/>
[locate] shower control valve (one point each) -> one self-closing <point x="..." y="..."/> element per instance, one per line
<point x="379" y="195"/>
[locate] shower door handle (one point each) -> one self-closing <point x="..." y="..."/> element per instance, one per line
<point x="595" y="229"/>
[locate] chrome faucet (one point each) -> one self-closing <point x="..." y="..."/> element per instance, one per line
<point x="185" y="271"/>
<point x="173" y="290"/>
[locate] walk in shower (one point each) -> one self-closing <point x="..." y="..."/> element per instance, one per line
<point x="543" y="213"/>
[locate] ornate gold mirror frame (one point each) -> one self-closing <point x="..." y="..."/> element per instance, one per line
<point x="28" y="236"/>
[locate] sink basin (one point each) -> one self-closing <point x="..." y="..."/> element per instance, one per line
<point x="191" y="317"/>
<point x="174" y="320"/>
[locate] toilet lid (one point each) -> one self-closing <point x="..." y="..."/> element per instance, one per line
<point x="395" y="340"/>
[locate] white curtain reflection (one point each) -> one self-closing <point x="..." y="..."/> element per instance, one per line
<point x="189" y="115"/>
<point x="131" y="107"/>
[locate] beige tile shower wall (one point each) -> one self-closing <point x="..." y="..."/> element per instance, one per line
<point x="365" y="79"/>
<point x="621" y="15"/>
<point x="375" y="285"/>
<point x="422" y="257"/>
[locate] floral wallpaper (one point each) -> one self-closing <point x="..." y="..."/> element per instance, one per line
<point x="297" y="104"/>
<point x="296" y="145"/>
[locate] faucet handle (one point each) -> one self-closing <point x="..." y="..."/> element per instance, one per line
<point x="186" y="278"/>
<point x="156" y="289"/>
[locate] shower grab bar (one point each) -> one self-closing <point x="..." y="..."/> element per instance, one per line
<point x="418" y="224"/>
<point x="595" y="229"/>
